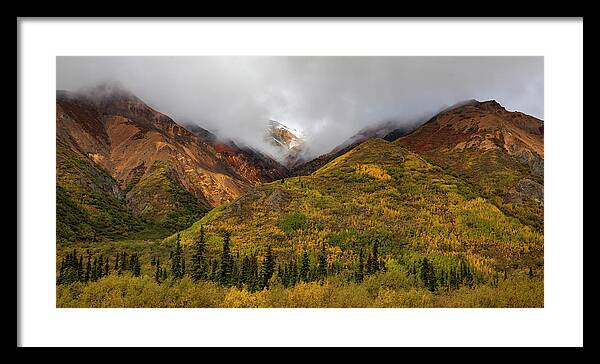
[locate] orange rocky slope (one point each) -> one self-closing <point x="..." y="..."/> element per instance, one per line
<point x="155" y="161"/>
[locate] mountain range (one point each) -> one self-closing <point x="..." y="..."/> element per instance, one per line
<point x="126" y="170"/>
<point x="123" y="167"/>
<point x="447" y="211"/>
<point x="467" y="183"/>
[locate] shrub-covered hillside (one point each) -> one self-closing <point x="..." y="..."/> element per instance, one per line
<point x="377" y="192"/>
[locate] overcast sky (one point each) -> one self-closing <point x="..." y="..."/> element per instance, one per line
<point x="328" y="98"/>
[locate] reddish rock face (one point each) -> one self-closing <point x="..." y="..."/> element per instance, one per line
<point x="254" y="166"/>
<point x="130" y="140"/>
<point x="483" y="126"/>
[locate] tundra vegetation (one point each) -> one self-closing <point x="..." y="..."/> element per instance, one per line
<point x="379" y="226"/>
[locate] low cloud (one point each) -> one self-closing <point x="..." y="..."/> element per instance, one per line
<point x="328" y="98"/>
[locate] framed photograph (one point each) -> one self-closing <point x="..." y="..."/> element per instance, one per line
<point x="221" y="178"/>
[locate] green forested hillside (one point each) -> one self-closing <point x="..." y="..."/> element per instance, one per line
<point x="164" y="200"/>
<point x="89" y="203"/>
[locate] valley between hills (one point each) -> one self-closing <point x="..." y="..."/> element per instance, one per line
<point x="156" y="213"/>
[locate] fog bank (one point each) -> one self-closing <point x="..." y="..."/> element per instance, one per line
<point x="328" y="98"/>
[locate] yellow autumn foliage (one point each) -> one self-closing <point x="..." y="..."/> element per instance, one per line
<point x="373" y="171"/>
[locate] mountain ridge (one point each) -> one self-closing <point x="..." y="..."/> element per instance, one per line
<point x="164" y="172"/>
<point x="500" y="151"/>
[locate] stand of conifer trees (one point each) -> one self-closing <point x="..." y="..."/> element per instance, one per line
<point x="254" y="273"/>
<point x="246" y="271"/>
<point x="72" y="269"/>
<point x="373" y="264"/>
<point x="199" y="268"/>
<point x="447" y="277"/>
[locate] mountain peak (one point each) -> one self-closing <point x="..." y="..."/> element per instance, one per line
<point x="491" y="105"/>
<point x="283" y="136"/>
<point x="289" y="142"/>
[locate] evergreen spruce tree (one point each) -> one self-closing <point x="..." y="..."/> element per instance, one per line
<point x="199" y="258"/>
<point x="226" y="261"/>
<point x="373" y="261"/>
<point x="135" y="266"/>
<point x="305" y="268"/>
<point x="431" y="278"/>
<point x="530" y="274"/>
<point x="376" y="257"/>
<point x="123" y="261"/>
<point x="157" y="273"/>
<point x="176" y="266"/>
<point x="268" y="267"/>
<point x="117" y="262"/>
<point x="106" y="267"/>
<point x="292" y="273"/>
<point x="69" y="271"/>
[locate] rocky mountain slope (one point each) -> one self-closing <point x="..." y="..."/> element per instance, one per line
<point x="450" y="211"/>
<point x="390" y="131"/>
<point x="143" y="161"/>
<point x="289" y="142"/>
<point x="381" y="192"/>
<point x="500" y="152"/>
<point x="467" y="184"/>
<point x="252" y="164"/>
